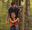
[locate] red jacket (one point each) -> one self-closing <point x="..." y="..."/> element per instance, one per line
<point x="15" y="23"/>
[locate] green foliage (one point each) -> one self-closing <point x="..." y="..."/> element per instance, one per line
<point x="13" y="0"/>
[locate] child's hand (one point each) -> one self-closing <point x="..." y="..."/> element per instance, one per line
<point x="18" y="19"/>
<point x="12" y="21"/>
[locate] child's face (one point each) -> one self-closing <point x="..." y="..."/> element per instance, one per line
<point x="13" y="15"/>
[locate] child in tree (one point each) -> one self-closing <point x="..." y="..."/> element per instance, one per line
<point x="14" y="22"/>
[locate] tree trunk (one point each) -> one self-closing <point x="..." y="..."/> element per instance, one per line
<point x="28" y="7"/>
<point x="27" y="14"/>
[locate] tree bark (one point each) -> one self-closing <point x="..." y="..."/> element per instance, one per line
<point x="28" y="7"/>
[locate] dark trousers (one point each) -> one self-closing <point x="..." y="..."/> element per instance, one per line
<point x="12" y="28"/>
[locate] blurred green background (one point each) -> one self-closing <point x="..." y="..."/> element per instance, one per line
<point x="4" y="11"/>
